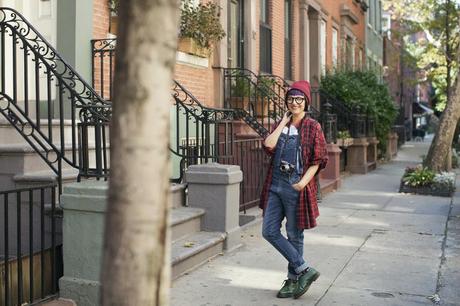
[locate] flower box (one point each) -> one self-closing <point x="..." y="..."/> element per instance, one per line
<point x="188" y="45"/>
<point x="421" y="180"/>
<point x="344" y="142"/>
<point x="426" y="190"/>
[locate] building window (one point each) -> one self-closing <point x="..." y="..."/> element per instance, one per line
<point x="323" y="45"/>
<point x="379" y="14"/>
<point x="334" y="47"/>
<point x="265" y="42"/>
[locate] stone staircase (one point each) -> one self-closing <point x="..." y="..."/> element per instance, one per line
<point x="21" y="166"/>
<point x="191" y="246"/>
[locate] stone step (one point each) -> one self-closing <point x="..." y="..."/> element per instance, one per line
<point x="185" y="221"/>
<point x="9" y="134"/>
<point x="178" y="198"/>
<point x="21" y="158"/>
<point x="192" y="251"/>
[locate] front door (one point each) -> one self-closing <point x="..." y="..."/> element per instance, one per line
<point x="236" y="34"/>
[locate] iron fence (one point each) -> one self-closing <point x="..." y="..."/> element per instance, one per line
<point x="30" y="245"/>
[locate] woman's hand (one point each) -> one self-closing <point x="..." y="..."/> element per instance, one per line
<point x="299" y="185"/>
<point x="286" y="118"/>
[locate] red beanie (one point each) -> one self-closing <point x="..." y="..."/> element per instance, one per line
<point x="303" y="86"/>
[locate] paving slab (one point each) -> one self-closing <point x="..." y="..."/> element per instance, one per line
<point x="332" y="217"/>
<point x="406" y="222"/>
<point x="393" y="273"/>
<point x="357" y="200"/>
<point x="404" y="243"/>
<point x="358" y="297"/>
<point x="450" y="281"/>
<point x="419" y="204"/>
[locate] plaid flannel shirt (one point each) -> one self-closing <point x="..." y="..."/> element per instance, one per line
<point x="314" y="152"/>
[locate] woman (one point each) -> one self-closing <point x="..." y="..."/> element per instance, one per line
<point x="298" y="151"/>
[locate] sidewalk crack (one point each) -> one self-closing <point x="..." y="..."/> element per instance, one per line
<point x="344" y="266"/>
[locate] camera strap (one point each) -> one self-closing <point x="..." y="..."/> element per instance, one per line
<point x="297" y="146"/>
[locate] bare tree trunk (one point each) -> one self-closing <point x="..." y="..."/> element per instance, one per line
<point x="438" y="155"/>
<point x="136" y="259"/>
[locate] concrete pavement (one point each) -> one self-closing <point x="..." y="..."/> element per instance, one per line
<point x="373" y="246"/>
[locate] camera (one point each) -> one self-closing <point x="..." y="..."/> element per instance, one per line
<point x="286" y="167"/>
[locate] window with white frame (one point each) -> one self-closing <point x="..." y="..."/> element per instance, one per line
<point x="323" y="45"/>
<point x="334" y="47"/>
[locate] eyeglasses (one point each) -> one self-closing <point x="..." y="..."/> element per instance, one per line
<point x="298" y="100"/>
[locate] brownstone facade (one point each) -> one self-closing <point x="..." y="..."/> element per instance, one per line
<point x="312" y="23"/>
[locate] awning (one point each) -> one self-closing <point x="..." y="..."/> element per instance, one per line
<point x="418" y="109"/>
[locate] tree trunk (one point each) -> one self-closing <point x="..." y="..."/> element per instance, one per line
<point x="440" y="149"/>
<point x="136" y="259"/>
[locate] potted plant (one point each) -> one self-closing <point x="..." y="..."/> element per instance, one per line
<point x="200" y="28"/>
<point x="344" y="138"/>
<point x="266" y="94"/>
<point x="240" y="90"/>
<point x="113" y="21"/>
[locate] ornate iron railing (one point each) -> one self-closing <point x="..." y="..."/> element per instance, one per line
<point x="103" y="66"/>
<point x="201" y="134"/>
<point x="30" y="245"/>
<point x="346" y="118"/>
<point x="254" y="97"/>
<point x="45" y="99"/>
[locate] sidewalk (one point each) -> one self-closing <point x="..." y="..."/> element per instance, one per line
<point x="373" y="246"/>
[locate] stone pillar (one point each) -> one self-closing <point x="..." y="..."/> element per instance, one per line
<point x="84" y="205"/>
<point x="392" y="146"/>
<point x="332" y="170"/>
<point x="216" y="188"/>
<point x="357" y="156"/>
<point x="250" y="31"/>
<point x="314" y="47"/>
<point x="372" y="152"/>
<point x="304" y="41"/>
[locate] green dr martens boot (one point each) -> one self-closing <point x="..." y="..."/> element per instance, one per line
<point x="287" y="290"/>
<point x="305" y="281"/>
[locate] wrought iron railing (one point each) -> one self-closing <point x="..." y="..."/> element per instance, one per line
<point x="200" y="134"/>
<point x="253" y="96"/>
<point x="103" y="66"/>
<point x="370" y="126"/>
<point x="254" y="162"/>
<point x="346" y="118"/>
<point x="45" y="99"/>
<point x="30" y="247"/>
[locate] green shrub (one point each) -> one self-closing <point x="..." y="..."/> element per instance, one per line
<point x="362" y="89"/>
<point x="201" y="22"/>
<point x="343" y="134"/>
<point x="418" y="176"/>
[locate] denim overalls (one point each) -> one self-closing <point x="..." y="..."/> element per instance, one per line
<point x="282" y="202"/>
